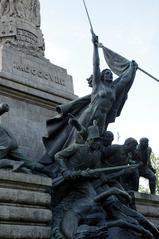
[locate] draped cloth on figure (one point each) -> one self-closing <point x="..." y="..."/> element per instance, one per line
<point x="60" y="134"/>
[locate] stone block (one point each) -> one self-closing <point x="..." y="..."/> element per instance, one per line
<point x="25" y="206"/>
<point x="148" y="205"/>
<point x="16" y="214"/>
<point x="8" y="231"/>
<point x="24" y="197"/>
<point x="23" y="181"/>
<point x="35" y="72"/>
<point x="32" y="86"/>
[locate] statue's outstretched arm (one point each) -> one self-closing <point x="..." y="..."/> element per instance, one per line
<point x="96" y="61"/>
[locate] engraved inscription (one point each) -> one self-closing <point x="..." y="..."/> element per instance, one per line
<point x="27" y="37"/>
<point x="39" y="73"/>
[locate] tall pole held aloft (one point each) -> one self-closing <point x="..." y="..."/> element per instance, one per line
<point x="148" y="74"/>
<point x="93" y="31"/>
<point x="88" y="15"/>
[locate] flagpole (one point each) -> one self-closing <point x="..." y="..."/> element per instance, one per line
<point x="88" y="15"/>
<point x="100" y="45"/>
<point x="145" y="72"/>
<point x="148" y="74"/>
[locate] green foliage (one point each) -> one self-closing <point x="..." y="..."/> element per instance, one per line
<point x="144" y="188"/>
<point x="155" y="164"/>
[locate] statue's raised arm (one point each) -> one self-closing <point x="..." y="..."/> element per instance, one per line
<point x="96" y="61"/>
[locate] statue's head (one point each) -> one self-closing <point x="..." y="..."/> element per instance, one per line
<point x="107" y="138"/>
<point x="130" y="144"/>
<point x="106" y="75"/>
<point x="144" y="142"/>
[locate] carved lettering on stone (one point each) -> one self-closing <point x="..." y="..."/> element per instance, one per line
<point x="38" y="73"/>
<point x="26" y="37"/>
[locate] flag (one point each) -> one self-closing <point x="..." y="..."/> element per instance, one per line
<point x="116" y="62"/>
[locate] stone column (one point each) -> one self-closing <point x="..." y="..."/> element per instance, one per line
<point x="29" y="83"/>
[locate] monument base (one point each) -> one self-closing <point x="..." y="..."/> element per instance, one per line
<point x="24" y="206"/>
<point x="148" y="205"/>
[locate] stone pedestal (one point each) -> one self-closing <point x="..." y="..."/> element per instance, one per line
<point x="32" y="87"/>
<point x="148" y="205"/>
<point x="29" y="83"/>
<point x="24" y="206"/>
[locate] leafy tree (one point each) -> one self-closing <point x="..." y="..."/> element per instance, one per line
<point x="155" y="164"/>
<point x="144" y="183"/>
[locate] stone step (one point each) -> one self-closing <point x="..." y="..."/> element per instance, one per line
<point x="25" y="215"/>
<point x="25" y="203"/>
<point x="154" y="220"/>
<point x="148" y="205"/>
<point x="149" y="211"/>
<point x="24" y="197"/>
<point x="8" y="231"/>
<point x="8" y="179"/>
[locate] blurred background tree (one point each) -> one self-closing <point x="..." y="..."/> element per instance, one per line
<point x="144" y="188"/>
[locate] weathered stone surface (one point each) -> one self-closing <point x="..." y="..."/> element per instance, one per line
<point x="20" y="25"/>
<point x="27" y="122"/>
<point x="32" y="87"/>
<point x="34" y="72"/>
<point x="24" y="197"/>
<point x="39" y="183"/>
<point x="149" y="211"/>
<point x="148" y="205"/>
<point x="29" y="83"/>
<point x="24" y="232"/>
<point x="25" y="206"/>
<point x="26" y="10"/>
<point x="24" y="214"/>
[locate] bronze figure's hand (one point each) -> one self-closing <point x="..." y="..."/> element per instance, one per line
<point x="94" y="38"/>
<point x="69" y="174"/>
<point x="134" y="63"/>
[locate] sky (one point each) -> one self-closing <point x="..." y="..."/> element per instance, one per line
<point x="130" y="28"/>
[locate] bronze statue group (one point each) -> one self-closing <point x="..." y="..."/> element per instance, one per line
<point x="93" y="180"/>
